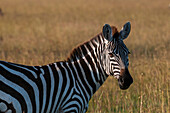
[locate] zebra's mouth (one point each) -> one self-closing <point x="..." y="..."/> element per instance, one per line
<point x="122" y="86"/>
<point x="125" y="80"/>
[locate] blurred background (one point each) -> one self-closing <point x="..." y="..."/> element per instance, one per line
<point x="38" y="32"/>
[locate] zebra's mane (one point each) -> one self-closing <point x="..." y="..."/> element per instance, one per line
<point x="98" y="39"/>
<point x="77" y="51"/>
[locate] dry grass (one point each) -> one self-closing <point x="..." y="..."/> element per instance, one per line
<point x="37" y="32"/>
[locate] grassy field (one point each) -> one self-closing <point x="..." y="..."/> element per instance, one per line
<point x="37" y="32"/>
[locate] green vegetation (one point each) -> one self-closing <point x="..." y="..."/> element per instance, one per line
<point x="37" y="32"/>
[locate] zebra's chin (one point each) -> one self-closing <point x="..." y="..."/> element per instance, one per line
<point x="123" y="87"/>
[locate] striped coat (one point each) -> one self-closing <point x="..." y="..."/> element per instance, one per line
<point x="65" y="86"/>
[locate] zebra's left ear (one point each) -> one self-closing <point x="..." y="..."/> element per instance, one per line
<point x="125" y="30"/>
<point x="107" y="32"/>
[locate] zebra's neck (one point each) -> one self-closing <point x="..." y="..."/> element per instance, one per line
<point x="86" y="59"/>
<point x="88" y="74"/>
<point x="90" y="71"/>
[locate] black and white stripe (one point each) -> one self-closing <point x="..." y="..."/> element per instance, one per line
<point x="65" y="86"/>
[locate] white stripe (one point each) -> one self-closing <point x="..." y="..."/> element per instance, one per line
<point x="75" y="96"/>
<point x="59" y="86"/>
<point x="91" y="71"/>
<point x="80" y="99"/>
<point x="116" y="66"/>
<point x="67" y="85"/>
<point x="9" y="99"/>
<point x="82" y="94"/>
<point x="69" y="96"/>
<point x="30" y="82"/>
<point x="19" y="90"/>
<point x="114" y="63"/>
<point x="72" y="77"/>
<point x="84" y="77"/>
<point x="101" y="39"/>
<point x="88" y="85"/>
<point x="96" y="82"/>
<point x="52" y="88"/>
<point x="115" y="69"/>
<point x="97" y="44"/>
<point x="71" y="108"/>
<point x="95" y="53"/>
<point x="44" y="90"/>
<point x="96" y="39"/>
<point x="94" y="63"/>
<point x="91" y="45"/>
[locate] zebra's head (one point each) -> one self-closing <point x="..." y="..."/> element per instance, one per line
<point x="114" y="54"/>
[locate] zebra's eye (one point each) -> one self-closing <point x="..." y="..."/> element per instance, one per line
<point x="111" y="54"/>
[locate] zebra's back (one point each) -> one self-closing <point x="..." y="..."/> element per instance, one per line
<point x="48" y="88"/>
<point x="18" y="87"/>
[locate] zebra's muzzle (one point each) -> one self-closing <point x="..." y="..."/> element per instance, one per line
<point x="125" y="79"/>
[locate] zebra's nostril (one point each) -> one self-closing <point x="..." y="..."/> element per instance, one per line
<point x="121" y="81"/>
<point x="125" y="81"/>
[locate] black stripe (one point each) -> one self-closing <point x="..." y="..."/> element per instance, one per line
<point x="99" y="39"/>
<point x="71" y="83"/>
<point x="81" y="96"/>
<point x="115" y="64"/>
<point x="98" y="68"/>
<point x="113" y="60"/>
<point x="64" y="82"/>
<point x="93" y="67"/>
<point x="20" y="69"/>
<point x="94" y="44"/>
<point x="116" y="72"/>
<point x="88" y="74"/>
<point x="89" y="47"/>
<point x="83" y="50"/>
<point x="78" y="53"/>
<point x="25" y="66"/>
<point x="56" y="78"/>
<point x="81" y="79"/>
<point x="116" y="68"/>
<point x="76" y="80"/>
<point x="83" y="83"/>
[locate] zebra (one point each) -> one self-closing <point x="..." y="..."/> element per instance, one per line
<point x="67" y="86"/>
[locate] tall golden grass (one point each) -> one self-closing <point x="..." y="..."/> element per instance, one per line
<point x="37" y="32"/>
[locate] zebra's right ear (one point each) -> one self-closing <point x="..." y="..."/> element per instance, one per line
<point x="107" y="32"/>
